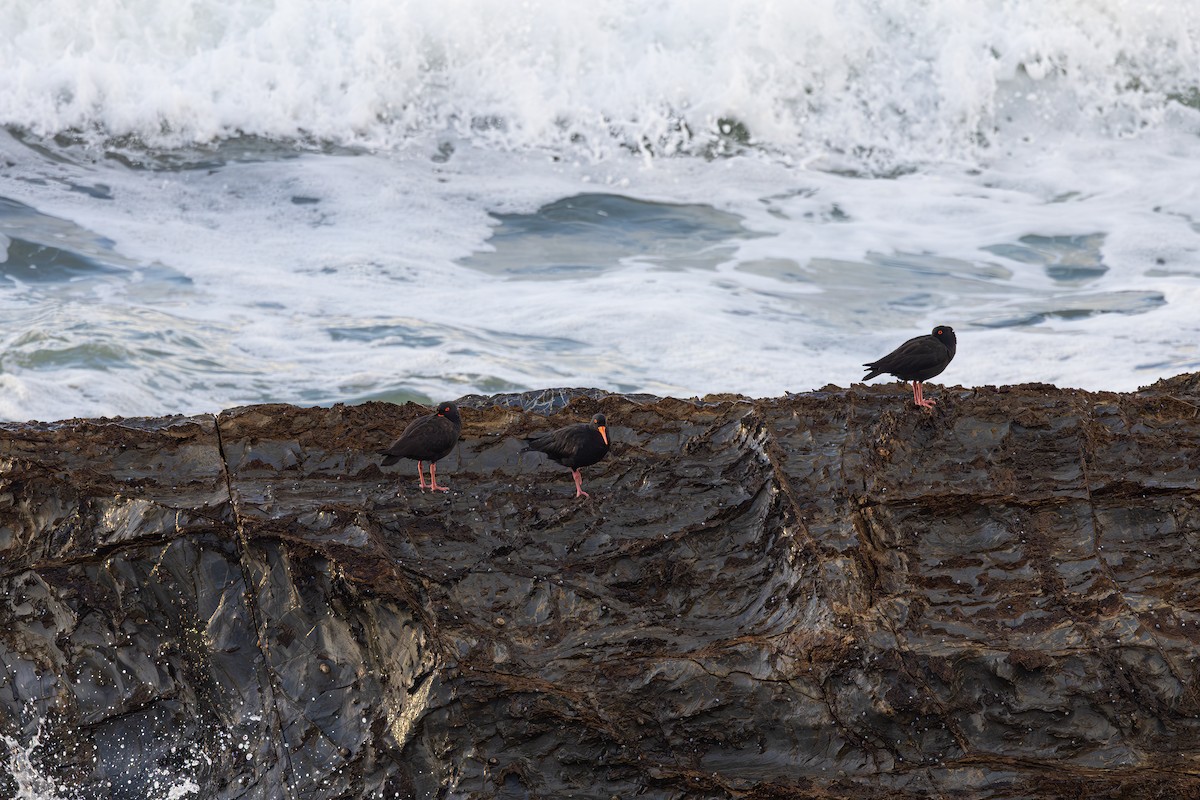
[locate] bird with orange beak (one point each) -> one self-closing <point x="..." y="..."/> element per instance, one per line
<point x="574" y="446"/>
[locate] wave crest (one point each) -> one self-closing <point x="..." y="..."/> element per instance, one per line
<point x="868" y="83"/>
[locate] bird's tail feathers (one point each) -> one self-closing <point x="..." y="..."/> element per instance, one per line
<point x="534" y="442"/>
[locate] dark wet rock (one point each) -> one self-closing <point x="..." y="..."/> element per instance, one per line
<point x="544" y="401"/>
<point x="826" y="595"/>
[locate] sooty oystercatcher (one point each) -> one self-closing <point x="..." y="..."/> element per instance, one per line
<point x="427" y="438"/>
<point x="574" y="446"/>
<point x="917" y="360"/>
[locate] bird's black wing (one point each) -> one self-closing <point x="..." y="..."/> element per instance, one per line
<point x="562" y="443"/>
<point x="915" y="356"/>
<point x="427" y="438"/>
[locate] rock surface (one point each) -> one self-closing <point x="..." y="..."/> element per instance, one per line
<point x="827" y="595"/>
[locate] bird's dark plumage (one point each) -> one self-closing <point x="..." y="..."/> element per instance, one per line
<point x="574" y="446"/>
<point x="918" y="360"/>
<point x="429" y="438"/>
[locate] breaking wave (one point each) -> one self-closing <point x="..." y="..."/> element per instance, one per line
<point x="864" y="83"/>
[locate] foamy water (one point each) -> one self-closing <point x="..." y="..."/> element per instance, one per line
<point x="911" y="82"/>
<point x="32" y="782"/>
<point x="1034" y="188"/>
<point x="29" y="780"/>
<point x="315" y="203"/>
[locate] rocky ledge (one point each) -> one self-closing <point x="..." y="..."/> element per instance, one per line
<point x="826" y="595"/>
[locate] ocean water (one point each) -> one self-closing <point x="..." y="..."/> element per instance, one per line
<point x="209" y="203"/>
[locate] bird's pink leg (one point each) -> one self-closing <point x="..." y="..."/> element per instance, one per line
<point x="919" y="396"/>
<point x="421" y="475"/>
<point x="433" y="484"/>
<point x="579" y="492"/>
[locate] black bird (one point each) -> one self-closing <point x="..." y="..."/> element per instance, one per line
<point x="428" y="438"/>
<point x="917" y="360"/>
<point x="574" y="446"/>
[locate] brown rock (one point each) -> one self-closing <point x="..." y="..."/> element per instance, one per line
<point x="827" y="595"/>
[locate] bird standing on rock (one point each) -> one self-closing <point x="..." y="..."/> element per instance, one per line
<point x="574" y="446"/>
<point x="917" y="360"/>
<point x="428" y="438"/>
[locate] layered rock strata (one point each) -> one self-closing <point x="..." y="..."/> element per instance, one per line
<point x="827" y="595"/>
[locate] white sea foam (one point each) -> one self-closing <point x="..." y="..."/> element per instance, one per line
<point x="364" y="293"/>
<point x="31" y="783"/>
<point x="304" y="272"/>
<point x="880" y="81"/>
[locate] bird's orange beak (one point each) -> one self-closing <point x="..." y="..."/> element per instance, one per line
<point x="603" y="433"/>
